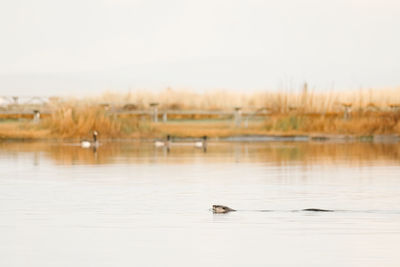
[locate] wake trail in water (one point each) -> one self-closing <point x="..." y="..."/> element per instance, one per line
<point x="330" y="211"/>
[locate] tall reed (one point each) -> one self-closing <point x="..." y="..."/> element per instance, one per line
<point x="79" y="121"/>
<point x="364" y="112"/>
<point x="304" y="100"/>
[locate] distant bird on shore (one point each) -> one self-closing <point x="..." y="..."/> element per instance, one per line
<point x="91" y="143"/>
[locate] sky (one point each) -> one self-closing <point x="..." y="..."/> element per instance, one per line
<point x="51" y="47"/>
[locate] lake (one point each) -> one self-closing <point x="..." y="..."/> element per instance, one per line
<point x="131" y="204"/>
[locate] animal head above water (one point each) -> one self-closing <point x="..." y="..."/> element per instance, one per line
<point x="221" y="209"/>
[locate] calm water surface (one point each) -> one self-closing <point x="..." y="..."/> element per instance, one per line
<point x="129" y="204"/>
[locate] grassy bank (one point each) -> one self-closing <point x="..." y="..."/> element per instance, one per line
<point x="74" y="124"/>
<point x="363" y="113"/>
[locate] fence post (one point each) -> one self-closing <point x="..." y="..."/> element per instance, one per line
<point x="155" y="111"/>
<point x="36" y="116"/>
<point x="394" y="107"/>
<point x="238" y="116"/>
<point x="347" y="110"/>
<point x="164" y="117"/>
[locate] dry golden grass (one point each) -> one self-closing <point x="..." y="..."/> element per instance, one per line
<point x="211" y="129"/>
<point x="369" y="112"/>
<point x="22" y="131"/>
<point x="77" y="121"/>
<point x="304" y="100"/>
<point x="71" y="121"/>
<point x="357" y="124"/>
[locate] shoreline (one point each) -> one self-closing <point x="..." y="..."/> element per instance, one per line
<point x="76" y="124"/>
<point x="391" y="138"/>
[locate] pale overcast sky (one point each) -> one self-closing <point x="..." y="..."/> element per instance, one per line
<point x="51" y="47"/>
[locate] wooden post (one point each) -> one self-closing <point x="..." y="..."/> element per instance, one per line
<point x="304" y="97"/>
<point x="155" y="111"/>
<point x="36" y="116"/>
<point x="347" y="110"/>
<point x="238" y="116"/>
<point x="394" y="107"/>
<point x="105" y="106"/>
<point x="164" y="117"/>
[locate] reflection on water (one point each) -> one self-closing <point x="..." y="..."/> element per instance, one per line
<point x="272" y="152"/>
<point x="131" y="204"/>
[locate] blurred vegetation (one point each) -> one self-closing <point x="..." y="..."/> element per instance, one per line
<point x="363" y="113"/>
